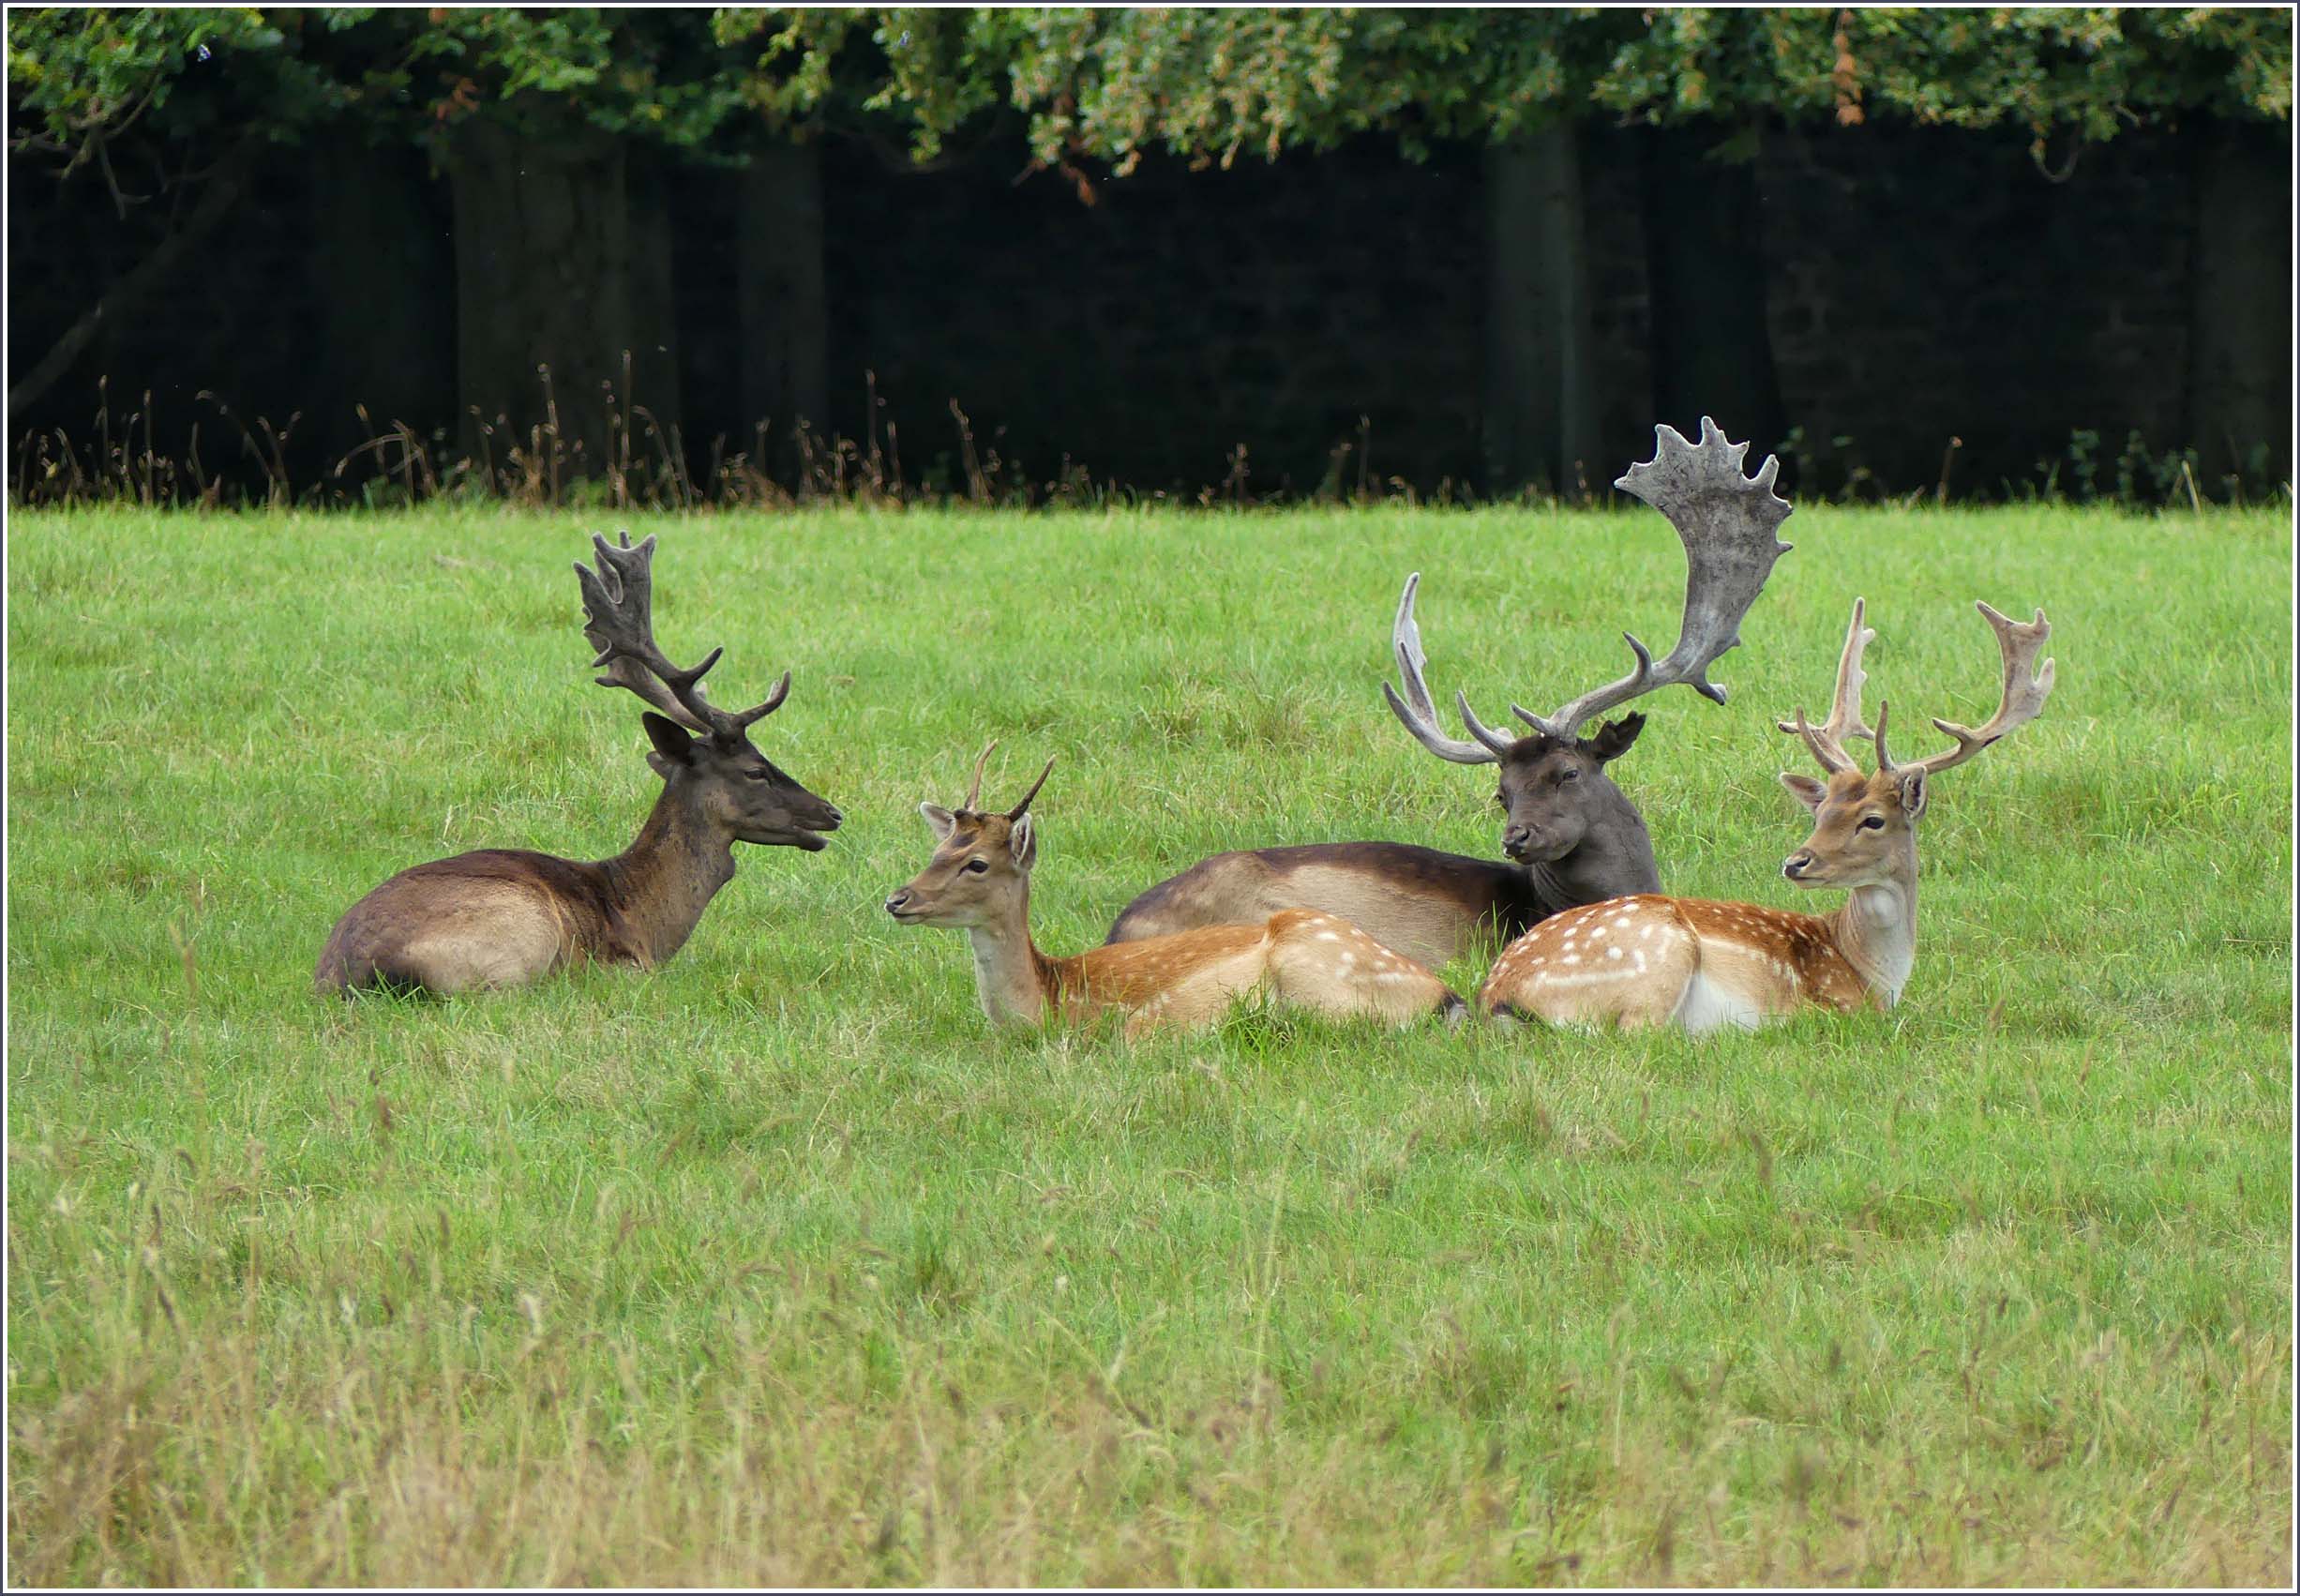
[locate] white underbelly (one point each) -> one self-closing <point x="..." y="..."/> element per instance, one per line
<point x="1707" y="1005"/>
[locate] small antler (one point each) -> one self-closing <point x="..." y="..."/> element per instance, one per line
<point x="1022" y="809"/>
<point x="619" y="621"/>
<point x="1827" y="740"/>
<point x="1415" y="710"/>
<point x="2027" y="687"/>
<point x="1726" y="522"/>
<point x="974" y="788"/>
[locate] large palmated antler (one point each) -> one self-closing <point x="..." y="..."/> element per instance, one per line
<point x="2027" y="687"/>
<point x="619" y="621"/>
<point x="1726" y="522"/>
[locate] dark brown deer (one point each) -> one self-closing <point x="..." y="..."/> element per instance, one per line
<point x="502" y="917"/>
<point x="1570" y="834"/>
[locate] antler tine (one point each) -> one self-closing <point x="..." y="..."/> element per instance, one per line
<point x="776" y="695"/>
<point x="1726" y="522"/>
<point x="2027" y="687"/>
<point x="1416" y="712"/>
<point x="974" y="788"/>
<point x="1022" y="809"/>
<point x="1827" y="740"/>
<point x="1827" y="755"/>
<point x="1493" y="740"/>
<point x="619" y="621"/>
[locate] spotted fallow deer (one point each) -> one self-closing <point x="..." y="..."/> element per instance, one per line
<point x="1653" y="961"/>
<point x="979" y="878"/>
<point x="1570" y="834"/>
<point x="501" y="917"/>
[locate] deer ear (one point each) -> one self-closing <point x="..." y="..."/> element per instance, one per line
<point x="1805" y="790"/>
<point x="939" y="821"/>
<point x="672" y="745"/>
<point x="1913" y="793"/>
<point x="1613" y="741"/>
<point x="1023" y="842"/>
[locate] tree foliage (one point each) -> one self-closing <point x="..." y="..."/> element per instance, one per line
<point x="1110" y="85"/>
<point x="1106" y="86"/>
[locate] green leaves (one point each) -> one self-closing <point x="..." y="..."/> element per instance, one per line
<point x="1108" y="85"/>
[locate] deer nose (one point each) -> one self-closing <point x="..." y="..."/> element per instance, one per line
<point x="831" y="817"/>
<point x="1516" y="840"/>
<point x="893" y="905"/>
<point x="1795" y="864"/>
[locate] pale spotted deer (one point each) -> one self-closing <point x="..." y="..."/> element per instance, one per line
<point x="1653" y="961"/>
<point x="499" y="917"/>
<point x="1570" y="834"/>
<point x="979" y="878"/>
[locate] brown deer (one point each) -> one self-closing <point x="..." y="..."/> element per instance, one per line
<point x="979" y="878"/>
<point x="1570" y="834"/>
<point x="501" y="917"/>
<point x="1652" y="960"/>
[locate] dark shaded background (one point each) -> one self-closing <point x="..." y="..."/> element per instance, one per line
<point x="1908" y="286"/>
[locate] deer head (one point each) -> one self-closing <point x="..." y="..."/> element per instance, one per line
<point x="1865" y="825"/>
<point x="981" y="871"/>
<point x="703" y="752"/>
<point x="1553" y="791"/>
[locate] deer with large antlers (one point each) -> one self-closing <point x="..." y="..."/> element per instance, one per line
<point x="1652" y="960"/>
<point x="1570" y="834"/>
<point x="979" y="878"/>
<point x="501" y="917"/>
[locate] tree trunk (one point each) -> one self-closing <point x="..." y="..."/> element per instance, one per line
<point x="380" y="273"/>
<point x="553" y="276"/>
<point x="1541" y="405"/>
<point x="2240" y="330"/>
<point x="654" y="356"/>
<point x="783" y="314"/>
<point x="1706" y="270"/>
<point x="223" y="191"/>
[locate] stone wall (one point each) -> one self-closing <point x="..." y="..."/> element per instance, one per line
<point x="1922" y="283"/>
<point x="1181" y="315"/>
<point x="1927" y="284"/>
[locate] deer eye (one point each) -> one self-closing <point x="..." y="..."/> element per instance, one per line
<point x="1501" y="800"/>
<point x="976" y="867"/>
<point x="1569" y="774"/>
<point x="1872" y="822"/>
<point x="755" y="774"/>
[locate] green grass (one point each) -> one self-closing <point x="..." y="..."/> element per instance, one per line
<point x="778" y="1266"/>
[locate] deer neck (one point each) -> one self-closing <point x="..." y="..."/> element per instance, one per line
<point x="1613" y="859"/>
<point x="660" y="887"/>
<point x="1014" y="980"/>
<point x="1876" y="932"/>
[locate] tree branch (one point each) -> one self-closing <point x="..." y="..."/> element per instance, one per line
<point x="222" y="189"/>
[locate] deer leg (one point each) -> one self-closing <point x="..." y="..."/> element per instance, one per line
<point x="1326" y="964"/>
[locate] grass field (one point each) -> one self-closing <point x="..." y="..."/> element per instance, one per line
<point x="778" y="1266"/>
